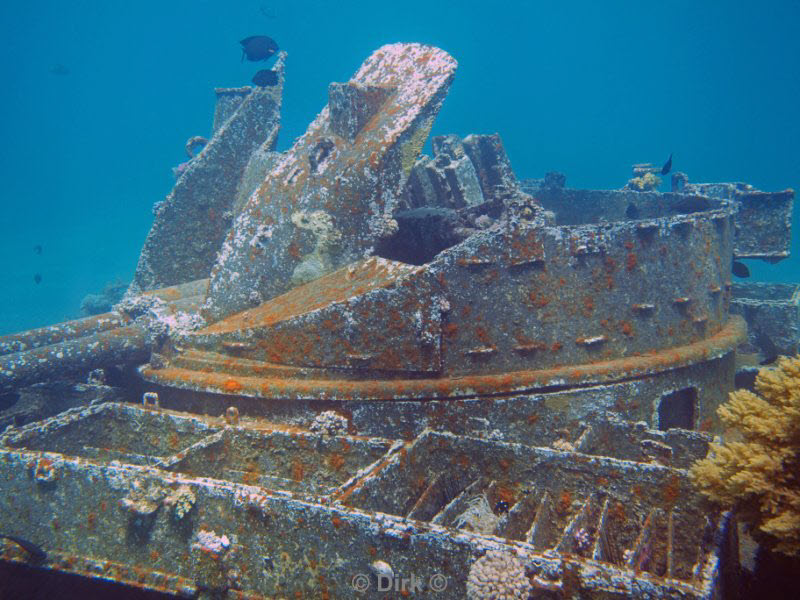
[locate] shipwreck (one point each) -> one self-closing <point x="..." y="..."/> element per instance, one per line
<point x="350" y="363"/>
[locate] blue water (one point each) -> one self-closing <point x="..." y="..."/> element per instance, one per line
<point x="586" y="88"/>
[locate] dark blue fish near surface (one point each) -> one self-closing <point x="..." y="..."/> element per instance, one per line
<point x="265" y="78"/>
<point x="36" y="553"/>
<point x="37" y="279"/>
<point x="258" y="47"/>
<point x="667" y="166"/>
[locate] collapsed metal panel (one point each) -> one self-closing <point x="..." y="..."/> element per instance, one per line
<point x="763" y="219"/>
<point x="330" y="198"/>
<point x="192" y="221"/>
<point x="185" y="504"/>
<point x="772" y="312"/>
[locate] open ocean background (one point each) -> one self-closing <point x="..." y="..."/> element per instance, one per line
<point x="586" y="88"/>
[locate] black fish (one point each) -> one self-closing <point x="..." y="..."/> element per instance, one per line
<point x="265" y="78"/>
<point x="740" y="269"/>
<point x="37" y="554"/>
<point x="37" y="278"/>
<point x="258" y="47"/>
<point x="632" y="212"/>
<point x="37" y="248"/>
<point x="667" y="165"/>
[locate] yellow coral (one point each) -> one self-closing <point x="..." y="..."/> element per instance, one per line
<point x="645" y="183"/>
<point x="759" y="475"/>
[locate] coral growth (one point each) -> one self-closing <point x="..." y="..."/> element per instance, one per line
<point x="318" y="262"/>
<point x="478" y="516"/>
<point x="182" y="501"/>
<point x="759" y="474"/>
<point x="95" y="304"/>
<point x="497" y="576"/>
<point x="329" y="423"/>
<point x="644" y="183"/>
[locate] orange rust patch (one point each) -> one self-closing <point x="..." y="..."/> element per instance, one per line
<point x="260" y="383"/>
<point x="294" y="250"/>
<point x="231" y="385"/>
<point x="505" y="494"/>
<point x="483" y="336"/>
<point x="298" y="470"/>
<point x="588" y="305"/>
<point x="336" y="461"/>
<point x="252" y="475"/>
<point x="630" y="262"/>
<point x="626" y="328"/>
<point x="538" y="300"/>
<point x="462" y="460"/>
<point x="617" y="512"/>
<point x="564" y="502"/>
<point x="671" y="491"/>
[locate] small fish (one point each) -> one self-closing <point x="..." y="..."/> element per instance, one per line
<point x="37" y="249"/>
<point x="37" y="554"/>
<point x="740" y="269"/>
<point x="265" y="78"/>
<point x="767" y="348"/>
<point x="667" y="165"/>
<point x="258" y="47"/>
<point x="37" y="279"/>
<point x="59" y="70"/>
